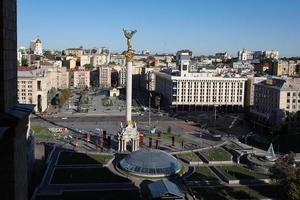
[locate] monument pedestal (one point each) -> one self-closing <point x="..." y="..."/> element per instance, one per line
<point x="127" y="134"/>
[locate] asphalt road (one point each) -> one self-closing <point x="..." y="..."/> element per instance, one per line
<point x="102" y="118"/>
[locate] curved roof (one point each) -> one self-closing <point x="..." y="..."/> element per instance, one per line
<point x="37" y="40"/>
<point x="150" y="163"/>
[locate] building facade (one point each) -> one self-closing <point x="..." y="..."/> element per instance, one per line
<point x="79" y="78"/>
<point x="77" y="52"/>
<point x="195" y="92"/>
<point x="122" y="77"/>
<point x="249" y="93"/>
<point x="276" y="103"/>
<point x="245" y="55"/>
<point x="285" y="67"/>
<point x="104" y="76"/>
<point x="36" y="86"/>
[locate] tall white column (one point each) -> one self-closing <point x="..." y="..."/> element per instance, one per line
<point x="129" y="93"/>
<point x="133" y="145"/>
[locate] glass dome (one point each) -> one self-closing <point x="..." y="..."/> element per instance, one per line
<point x="150" y="163"/>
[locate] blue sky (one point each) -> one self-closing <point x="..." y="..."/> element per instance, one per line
<point x="203" y="26"/>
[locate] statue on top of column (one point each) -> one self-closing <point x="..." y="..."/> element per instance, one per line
<point x="129" y="53"/>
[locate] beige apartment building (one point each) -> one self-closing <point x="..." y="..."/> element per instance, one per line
<point x="85" y="59"/>
<point x="34" y="85"/>
<point x="286" y="67"/>
<point x="104" y="76"/>
<point x="77" y="52"/>
<point x="276" y="103"/>
<point x="79" y="77"/>
<point x="95" y="59"/>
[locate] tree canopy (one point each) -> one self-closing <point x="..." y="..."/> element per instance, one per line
<point x="286" y="172"/>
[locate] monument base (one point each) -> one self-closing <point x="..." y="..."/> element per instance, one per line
<point x="128" y="134"/>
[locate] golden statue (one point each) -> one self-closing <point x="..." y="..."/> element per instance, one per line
<point x="129" y="53"/>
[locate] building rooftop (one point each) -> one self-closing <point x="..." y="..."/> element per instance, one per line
<point x="282" y="84"/>
<point x="162" y="188"/>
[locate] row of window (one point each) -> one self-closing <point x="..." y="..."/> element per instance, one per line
<point x="214" y="99"/>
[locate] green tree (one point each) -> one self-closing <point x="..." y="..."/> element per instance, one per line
<point x="88" y="66"/>
<point x="24" y="62"/>
<point x="64" y="95"/>
<point x="287" y="173"/>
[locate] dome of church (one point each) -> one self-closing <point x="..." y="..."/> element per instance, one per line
<point x="38" y="40"/>
<point x="150" y="163"/>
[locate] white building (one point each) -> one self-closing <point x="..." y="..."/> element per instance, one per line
<point x="245" y="55"/>
<point x="36" y="46"/>
<point x="100" y="59"/>
<point x="118" y="59"/>
<point x="195" y="91"/>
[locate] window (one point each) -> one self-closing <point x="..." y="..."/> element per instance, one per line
<point x="39" y="85"/>
<point x="288" y="94"/>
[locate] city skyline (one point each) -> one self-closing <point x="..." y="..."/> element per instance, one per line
<point x="203" y="27"/>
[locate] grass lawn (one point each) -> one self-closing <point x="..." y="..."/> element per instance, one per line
<point x="228" y="193"/>
<point x="166" y="136"/>
<point x="85" y="175"/>
<point x="216" y="154"/>
<point x="96" y="195"/>
<point x="240" y="173"/>
<point x="233" y="146"/>
<point x="41" y="133"/>
<point x="192" y="157"/>
<point x="73" y="158"/>
<point x="201" y="174"/>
